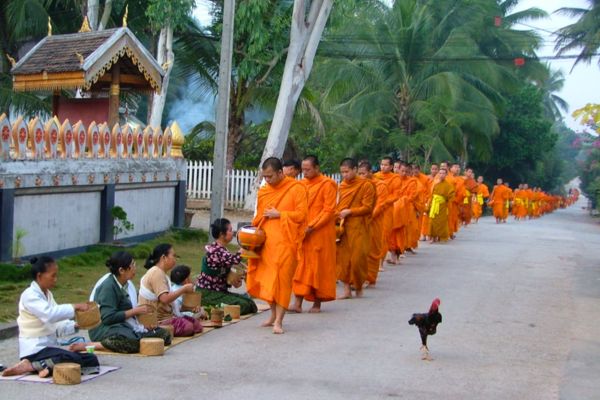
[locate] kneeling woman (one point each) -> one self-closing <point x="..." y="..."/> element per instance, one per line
<point x="216" y="265"/>
<point x="155" y="289"/>
<point x="119" y="330"/>
<point x="41" y="320"/>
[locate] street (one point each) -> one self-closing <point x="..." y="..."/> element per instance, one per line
<point x="521" y="309"/>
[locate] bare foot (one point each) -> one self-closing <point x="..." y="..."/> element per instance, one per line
<point x="381" y="269"/>
<point x="295" y="309"/>
<point x="314" y="310"/>
<point x="278" y="329"/>
<point x="44" y="373"/>
<point x="23" y="367"/>
<point x="269" y="322"/>
<point x="359" y="293"/>
<point x="345" y="296"/>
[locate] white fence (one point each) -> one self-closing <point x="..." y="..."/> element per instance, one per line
<point x="238" y="183"/>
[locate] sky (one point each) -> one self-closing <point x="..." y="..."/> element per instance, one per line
<point x="582" y="85"/>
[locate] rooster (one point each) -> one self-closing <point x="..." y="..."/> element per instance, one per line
<point x="427" y="324"/>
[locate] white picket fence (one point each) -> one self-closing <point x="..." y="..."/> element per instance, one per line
<point x="238" y="183"/>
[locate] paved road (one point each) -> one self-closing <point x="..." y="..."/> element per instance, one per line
<point x="521" y="305"/>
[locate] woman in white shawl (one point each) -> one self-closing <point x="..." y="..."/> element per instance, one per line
<point x="41" y="321"/>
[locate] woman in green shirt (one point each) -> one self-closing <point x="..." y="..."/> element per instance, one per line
<point x="119" y="330"/>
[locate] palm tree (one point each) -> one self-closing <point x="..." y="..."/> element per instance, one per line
<point x="552" y="103"/>
<point x="402" y="63"/>
<point x="583" y="34"/>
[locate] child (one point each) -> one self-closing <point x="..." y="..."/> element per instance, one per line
<point x="180" y="275"/>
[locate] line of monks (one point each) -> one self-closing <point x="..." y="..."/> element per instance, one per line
<point x="319" y="232"/>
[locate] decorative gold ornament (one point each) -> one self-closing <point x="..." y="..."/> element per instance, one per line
<point x="178" y="140"/>
<point x="49" y="27"/>
<point x="80" y="58"/>
<point x="125" y="16"/>
<point x="85" y="26"/>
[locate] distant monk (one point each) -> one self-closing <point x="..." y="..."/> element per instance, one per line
<point x="291" y="168"/>
<point x="434" y="169"/>
<point x="315" y="276"/>
<point x="470" y="191"/>
<point x="459" y="195"/>
<point x="356" y="199"/>
<point x="394" y="186"/>
<point x="378" y="248"/>
<point x="281" y="212"/>
<point x="498" y="200"/>
<point x="441" y="196"/>
<point x="483" y="193"/>
<point x="509" y="198"/>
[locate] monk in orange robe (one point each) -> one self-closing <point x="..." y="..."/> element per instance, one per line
<point x="281" y="212"/>
<point x="378" y="248"/>
<point x="404" y="214"/>
<point x="419" y="202"/>
<point x="509" y="198"/>
<point x="521" y="202"/>
<point x="292" y="168"/>
<point x="392" y="180"/>
<point x="459" y="194"/>
<point x="470" y="184"/>
<point x="434" y="169"/>
<point x="442" y="193"/>
<point x="483" y="193"/>
<point x="498" y="199"/>
<point x="316" y="275"/>
<point x="356" y="199"/>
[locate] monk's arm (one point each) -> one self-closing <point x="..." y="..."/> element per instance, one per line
<point x="366" y="201"/>
<point x="328" y="212"/>
<point x="380" y="205"/>
<point x="300" y="211"/>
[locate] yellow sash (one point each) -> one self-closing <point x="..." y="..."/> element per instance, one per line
<point x="480" y="198"/>
<point x="467" y="197"/>
<point x="507" y="204"/>
<point x="435" y="205"/>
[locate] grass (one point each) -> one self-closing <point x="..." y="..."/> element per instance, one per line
<point x="78" y="274"/>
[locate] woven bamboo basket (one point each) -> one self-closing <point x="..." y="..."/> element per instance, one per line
<point x="67" y="374"/>
<point x="149" y="320"/>
<point x="216" y="316"/>
<point x="88" y="319"/>
<point x="191" y="301"/>
<point x="152" y="346"/>
<point x="233" y="311"/>
<point x="235" y="274"/>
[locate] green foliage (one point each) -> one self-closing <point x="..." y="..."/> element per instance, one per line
<point x="14" y="273"/>
<point x="172" y="13"/>
<point x="17" y="247"/>
<point x="121" y="223"/>
<point x="524" y="141"/>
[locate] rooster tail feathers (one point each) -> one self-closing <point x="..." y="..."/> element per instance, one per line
<point x="435" y="305"/>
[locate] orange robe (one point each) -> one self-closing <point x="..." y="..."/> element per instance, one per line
<point x="498" y="200"/>
<point x="509" y="197"/>
<point x="353" y="248"/>
<point x="470" y="189"/>
<point x="482" y="193"/>
<point x="418" y="207"/>
<point x="316" y="275"/>
<point x="378" y="248"/>
<point x="425" y="215"/>
<point x="442" y="194"/>
<point x="454" y="205"/>
<point x="270" y="277"/>
<point x="404" y="216"/>
<point x="394" y="186"/>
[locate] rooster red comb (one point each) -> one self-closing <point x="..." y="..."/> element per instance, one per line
<point x="434" y="305"/>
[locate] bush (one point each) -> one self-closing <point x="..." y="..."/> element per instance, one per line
<point x="15" y="273"/>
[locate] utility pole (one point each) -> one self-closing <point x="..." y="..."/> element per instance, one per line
<point x="222" y="126"/>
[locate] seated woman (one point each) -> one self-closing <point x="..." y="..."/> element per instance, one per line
<point x="41" y="321"/>
<point x="216" y="264"/>
<point x="155" y="289"/>
<point x="119" y="330"/>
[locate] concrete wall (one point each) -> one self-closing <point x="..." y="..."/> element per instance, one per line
<point x="65" y="205"/>
<point x="150" y="209"/>
<point x="56" y="222"/>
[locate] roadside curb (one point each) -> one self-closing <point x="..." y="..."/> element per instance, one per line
<point x="8" y="330"/>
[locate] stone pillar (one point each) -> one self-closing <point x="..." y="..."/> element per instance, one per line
<point x="7" y="206"/>
<point x="113" y="99"/>
<point x="180" y="200"/>
<point x="107" y="202"/>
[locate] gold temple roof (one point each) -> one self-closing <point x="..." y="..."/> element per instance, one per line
<point x="82" y="60"/>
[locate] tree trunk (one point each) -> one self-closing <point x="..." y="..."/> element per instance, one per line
<point x="305" y="35"/>
<point x="165" y="58"/>
<point x="93" y="8"/>
<point x="234" y="137"/>
<point x="105" y="15"/>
